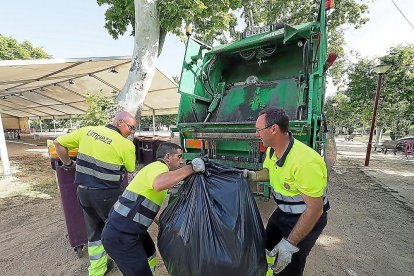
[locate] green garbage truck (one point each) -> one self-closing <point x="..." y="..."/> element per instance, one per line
<point x="224" y="88"/>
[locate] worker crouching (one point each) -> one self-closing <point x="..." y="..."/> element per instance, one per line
<point x="125" y="235"/>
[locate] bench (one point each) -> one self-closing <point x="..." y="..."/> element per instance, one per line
<point x="388" y="145"/>
<point x="349" y="137"/>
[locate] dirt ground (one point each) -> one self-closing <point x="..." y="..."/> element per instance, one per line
<point x="369" y="232"/>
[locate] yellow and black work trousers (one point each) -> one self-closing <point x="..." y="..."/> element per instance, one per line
<point x="279" y="226"/>
<point x="134" y="254"/>
<point x="96" y="204"/>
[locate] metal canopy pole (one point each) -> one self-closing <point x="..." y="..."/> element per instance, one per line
<point x="28" y="122"/>
<point x="139" y="126"/>
<point x="70" y="122"/>
<point x="3" y="151"/>
<point x="54" y="126"/>
<point x="41" y="130"/>
<point x="153" y="122"/>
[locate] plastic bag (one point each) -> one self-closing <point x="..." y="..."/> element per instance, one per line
<point x="213" y="227"/>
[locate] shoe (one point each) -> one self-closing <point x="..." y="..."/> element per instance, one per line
<point x="109" y="266"/>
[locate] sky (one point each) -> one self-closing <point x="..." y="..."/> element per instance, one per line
<point x="75" y="28"/>
<point x="386" y="28"/>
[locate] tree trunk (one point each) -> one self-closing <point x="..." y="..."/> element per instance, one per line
<point x="381" y="133"/>
<point x="377" y="135"/>
<point x="144" y="59"/>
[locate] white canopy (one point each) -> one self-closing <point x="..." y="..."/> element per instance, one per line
<point x="55" y="88"/>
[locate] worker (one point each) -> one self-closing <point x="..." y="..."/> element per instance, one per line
<point x="125" y="235"/>
<point x="298" y="180"/>
<point x="104" y="153"/>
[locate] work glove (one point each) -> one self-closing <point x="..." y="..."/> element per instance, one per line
<point x="198" y="165"/>
<point x="249" y="175"/>
<point x="283" y="252"/>
<point x="70" y="167"/>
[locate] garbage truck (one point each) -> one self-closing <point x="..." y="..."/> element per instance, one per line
<point x="224" y="88"/>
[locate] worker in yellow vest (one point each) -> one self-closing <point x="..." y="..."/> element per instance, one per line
<point x="104" y="153"/>
<point x="298" y="180"/>
<point x="125" y="235"/>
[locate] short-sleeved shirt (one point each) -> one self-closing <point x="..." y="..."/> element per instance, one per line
<point x="103" y="155"/>
<point x="142" y="183"/>
<point x="299" y="170"/>
<point x="138" y="205"/>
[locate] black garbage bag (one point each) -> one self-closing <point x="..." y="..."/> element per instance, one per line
<point x="213" y="227"/>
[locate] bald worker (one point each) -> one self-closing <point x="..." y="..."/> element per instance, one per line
<point x="104" y="153"/>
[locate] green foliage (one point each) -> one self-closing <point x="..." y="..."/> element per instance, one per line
<point x="10" y="49"/>
<point x="298" y="11"/>
<point x="396" y="103"/>
<point x="160" y="120"/>
<point x="166" y="120"/>
<point x="343" y="115"/>
<point x="47" y="124"/>
<point x="99" y="110"/>
<point x="214" y="20"/>
<point x="399" y="80"/>
<point x="176" y="79"/>
<point x="210" y="18"/>
<point x="65" y="123"/>
<point x="146" y="121"/>
<point x="119" y="15"/>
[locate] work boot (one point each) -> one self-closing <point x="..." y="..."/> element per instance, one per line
<point x="109" y="266"/>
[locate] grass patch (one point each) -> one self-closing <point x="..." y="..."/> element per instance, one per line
<point x="46" y="186"/>
<point x="36" y="170"/>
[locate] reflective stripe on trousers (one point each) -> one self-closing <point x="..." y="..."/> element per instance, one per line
<point x="293" y="204"/>
<point x="152" y="262"/>
<point x="270" y="263"/>
<point x="97" y="258"/>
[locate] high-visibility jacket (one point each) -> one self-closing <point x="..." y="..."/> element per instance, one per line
<point x="137" y="207"/>
<point x="103" y="155"/>
<point x="300" y="170"/>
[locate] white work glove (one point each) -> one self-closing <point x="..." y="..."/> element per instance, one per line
<point x="283" y="252"/>
<point x="70" y="167"/>
<point x="249" y="175"/>
<point x="198" y="165"/>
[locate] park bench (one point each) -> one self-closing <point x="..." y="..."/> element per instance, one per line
<point x="349" y="137"/>
<point x="387" y="145"/>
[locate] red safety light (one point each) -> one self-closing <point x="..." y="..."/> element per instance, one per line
<point x="193" y="143"/>
<point x="318" y="43"/>
<point x="261" y="147"/>
<point x="329" y="4"/>
<point x="331" y="59"/>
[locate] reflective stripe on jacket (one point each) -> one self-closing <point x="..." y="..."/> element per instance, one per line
<point x="295" y="204"/>
<point x="103" y="155"/>
<point x="133" y="213"/>
<point x="300" y="170"/>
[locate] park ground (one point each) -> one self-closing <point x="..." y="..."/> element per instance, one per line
<point x="369" y="232"/>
